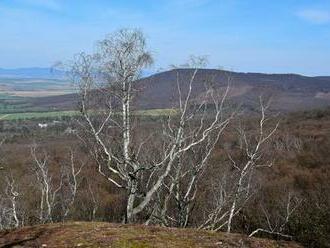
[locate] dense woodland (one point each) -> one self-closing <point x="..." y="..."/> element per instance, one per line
<point x="208" y="165"/>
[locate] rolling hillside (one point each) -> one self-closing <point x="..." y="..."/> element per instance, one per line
<point x="289" y="92"/>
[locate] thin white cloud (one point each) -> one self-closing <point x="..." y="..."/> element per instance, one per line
<point x="315" y="16"/>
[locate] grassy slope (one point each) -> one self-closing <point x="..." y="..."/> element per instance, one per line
<point x="94" y="234"/>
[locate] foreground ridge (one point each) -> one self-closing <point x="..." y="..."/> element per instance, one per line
<point x="99" y="234"/>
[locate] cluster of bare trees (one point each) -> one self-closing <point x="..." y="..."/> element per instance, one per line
<point x="58" y="198"/>
<point x="56" y="190"/>
<point x="161" y="172"/>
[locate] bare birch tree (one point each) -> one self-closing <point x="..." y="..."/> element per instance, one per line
<point x="235" y="187"/>
<point x="71" y="172"/>
<point x="275" y="224"/>
<point x="47" y="191"/>
<point x="183" y="181"/>
<point x="9" y="205"/>
<point x="116" y="68"/>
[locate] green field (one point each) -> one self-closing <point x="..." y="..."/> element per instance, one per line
<point x="59" y="114"/>
<point x="37" y="115"/>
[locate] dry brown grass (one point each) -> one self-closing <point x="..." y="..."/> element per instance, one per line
<point x="96" y="234"/>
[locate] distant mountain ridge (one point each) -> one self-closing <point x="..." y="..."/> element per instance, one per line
<point x="32" y="72"/>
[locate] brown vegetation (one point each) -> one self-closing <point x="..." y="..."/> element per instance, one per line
<point x="301" y="167"/>
<point x="96" y="234"/>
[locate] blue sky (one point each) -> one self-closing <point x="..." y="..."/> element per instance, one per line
<point x="243" y="35"/>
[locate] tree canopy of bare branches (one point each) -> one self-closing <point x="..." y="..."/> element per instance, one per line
<point x="107" y="85"/>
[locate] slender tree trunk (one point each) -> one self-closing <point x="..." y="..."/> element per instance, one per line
<point x="41" y="214"/>
<point x="15" y="212"/>
<point x="126" y="124"/>
<point x="49" y="207"/>
<point x="130" y="202"/>
<point x="132" y="185"/>
<point x="237" y="194"/>
<point x="232" y="211"/>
